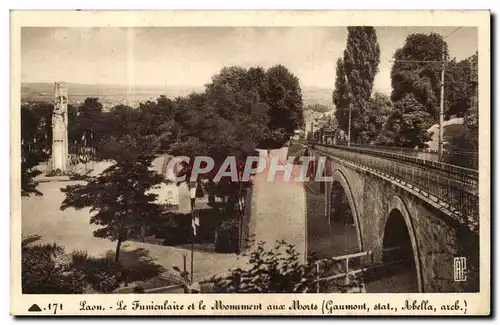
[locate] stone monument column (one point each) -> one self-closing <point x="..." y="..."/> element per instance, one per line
<point x="60" y="128"/>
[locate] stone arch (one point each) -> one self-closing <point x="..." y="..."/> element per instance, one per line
<point x="397" y="204"/>
<point x="338" y="176"/>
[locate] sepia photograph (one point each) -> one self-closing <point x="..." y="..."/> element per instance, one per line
<point x="250" y="159"/>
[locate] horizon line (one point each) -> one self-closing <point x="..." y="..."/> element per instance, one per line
<point x="144" y="85"/>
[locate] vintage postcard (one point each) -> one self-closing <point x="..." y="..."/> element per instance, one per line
<point x="250" y="163"/>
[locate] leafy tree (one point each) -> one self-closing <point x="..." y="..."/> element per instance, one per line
<point x="229" y="119"/>
<point x="416" y="81"/>
<point x="408" y="124"/>
<point x="375" y="117"/>
<point x="33" y="148"/>
<point x="417" y="70"/>
<point x="90" y="121"/>
<point x="457" y="88"/>
<point x="152" y="114"/>
<point x="284" y="98"/>
<point x="119" y="197"/>
<point x="354" y="80"/>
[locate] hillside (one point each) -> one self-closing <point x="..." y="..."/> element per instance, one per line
<point x="109" y="95"/>
<point x="315" y="95"/>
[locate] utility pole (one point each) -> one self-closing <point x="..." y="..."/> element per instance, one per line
<point x="441" y="109"/>
<point x="349" y="129"/>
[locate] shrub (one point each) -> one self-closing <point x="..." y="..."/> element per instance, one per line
<point x="271" y="271"/>
<point x="45" y="269"/>
<point x="279" y="270"/>
<point x="102" y="274"/>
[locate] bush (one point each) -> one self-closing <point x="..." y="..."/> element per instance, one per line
<point x="279" y="270"/>
<point x="102" y="274"/>
<point x="45" y="269"/>
<point x="272" y="271"/>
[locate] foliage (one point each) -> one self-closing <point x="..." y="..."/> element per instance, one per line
<point x="416" y="80"/>
<point x="460" y="86"/>
<point x="375" y="117"/>
<point x="45" y="270"/>
<point x="36" y="127"/>
<point x="271" y="271"/>
<point x="33" y="132"/>
<point x="422" y="79"/>
<point x="276" y="270"/>
<point x="89" y="120"/>
<point x="284" y="98"/>
<point x="408" y="124"/>
<point x="354" y="79"/>
<point x="102" y="274"/>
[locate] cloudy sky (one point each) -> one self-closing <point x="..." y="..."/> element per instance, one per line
<point x="188" y="57"/>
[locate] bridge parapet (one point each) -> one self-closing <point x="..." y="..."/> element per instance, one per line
<point x="452" y="188"/>
<point x="471" y="174"/>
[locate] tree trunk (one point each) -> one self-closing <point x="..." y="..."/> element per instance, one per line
<point x="117" y="253"/>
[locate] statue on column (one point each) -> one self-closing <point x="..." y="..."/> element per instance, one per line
<point x="60" y="128"/>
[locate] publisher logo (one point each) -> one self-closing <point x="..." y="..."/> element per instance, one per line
<point x="459" y="269"/>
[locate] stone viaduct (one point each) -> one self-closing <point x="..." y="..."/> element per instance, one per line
<point x="389" y="211"/>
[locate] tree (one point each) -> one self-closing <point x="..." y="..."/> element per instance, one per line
<point x="354" y="79"/>
<point x="375" y="117"/>
<point x="407" y="125"/>
<point x="34" y="133"/>
<point x="416" y="81"/>
<point x="119" y="197"/>
<point x="284" y="98"/>
<point x="457" y="88"/>
<point x="228" y="119"/>
<point x="460" y="86"/>
<point x="90" y="120"/>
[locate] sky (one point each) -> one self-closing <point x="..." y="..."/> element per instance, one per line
<point x="189" y="56"/>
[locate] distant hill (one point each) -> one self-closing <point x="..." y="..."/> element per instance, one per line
<point x="111" y="95"/>
<point x="315" y="95"/>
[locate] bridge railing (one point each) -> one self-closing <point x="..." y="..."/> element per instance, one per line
<point x="465" y="159"/>
<point x="455" y="191"/>
<point x="346" y="270"/>
<point x="404" y="156"/>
